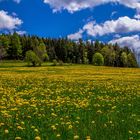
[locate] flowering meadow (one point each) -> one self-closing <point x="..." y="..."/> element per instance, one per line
<point x="76" y="102"/>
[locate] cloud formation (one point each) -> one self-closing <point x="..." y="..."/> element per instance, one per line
<point x="76" y="5"/>
<point x="133" y="42"/>
<point x="76" y="36"/>
<point x="120" y="26"/>
<point x="8" y="22"/>
<point x="21" y="32"/>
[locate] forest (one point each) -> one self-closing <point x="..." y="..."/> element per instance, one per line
<point x="36" y="50"/>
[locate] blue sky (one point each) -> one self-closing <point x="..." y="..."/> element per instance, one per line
<point x="106" y="20"/>
<point x="109" y="21"/>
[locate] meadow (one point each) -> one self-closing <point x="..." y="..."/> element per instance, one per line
<point x="73" y="102"/>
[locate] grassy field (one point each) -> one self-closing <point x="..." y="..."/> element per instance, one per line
<point x="69" y="102"/>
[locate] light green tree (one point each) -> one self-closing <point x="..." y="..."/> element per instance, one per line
<point x="124" y="59"/>
<point x="98" y="59"/>
<point x="32" y="59"/>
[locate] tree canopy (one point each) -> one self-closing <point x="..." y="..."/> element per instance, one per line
<point x="14" y="46"/>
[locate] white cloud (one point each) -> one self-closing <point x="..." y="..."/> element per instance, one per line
<point x="76" y="5"/>
<point x="76" y="36"/>
<point x="133" y="42"/>
<point x="117" y="36"/>
<point x="21" y="32"/>
<point x="121" y="25"/>
<point x="137" y="16"/>
<point x="8" y="22"/>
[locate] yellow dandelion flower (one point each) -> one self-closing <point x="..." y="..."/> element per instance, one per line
<point x="19" y="127"/>
<point x="93" y="122"/>
<point x="53" y="127"/>
<point x="76" y="137"/>
<point x="58" y="135"/>
<point x="99" y="111"/>
<point x="88" y="138"/>
<point x="17" y="138"/>
<point x="37" y="138"/>
<point x="36" y="130"/>
<point x="6" y="131"/>
<point x="70" y="127"/>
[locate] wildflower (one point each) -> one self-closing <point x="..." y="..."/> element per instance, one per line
<point x="58" y="135"/>
<point x="76" y="137"/>
<point x="88" y="138"/>
<point x="37" y="138"/>
<point x="19" y="127"/>
<point x="53" y="115"/>
<point x="36" y="130"/>
<point x="93" y="122"/>
<point x="1" y="124"/>
<point x="130" y="132"/>
<point x="32" y="127"/>
<point x="114" y="107"/>
<point x="6" y="131"/>
<point x="22" y="123"/>
<point x="70" y="127"/>
<point x="53" y="127"/>
<point x="17" y="138"/>
<point x="99" y="111"/>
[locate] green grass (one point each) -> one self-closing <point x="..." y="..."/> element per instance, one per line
<point x="69" y="102"/>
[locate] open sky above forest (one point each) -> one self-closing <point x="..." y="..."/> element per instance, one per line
<point x="105" y="20"/>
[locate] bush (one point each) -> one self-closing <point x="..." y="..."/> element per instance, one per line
<point x="45" y="57"/>
<point x="54" y="62"/>
<point x="98" y="59"/>
<point x="32" y="59"/>
<point x="61" y="63"/>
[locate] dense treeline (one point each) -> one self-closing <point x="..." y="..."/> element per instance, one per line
<point x="16" y="47"/>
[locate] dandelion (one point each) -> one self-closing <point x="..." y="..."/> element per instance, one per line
<point x="36" y="130"/>
<point x="53" y="127"/>
<point x="19" y="127"/>
<point x="93" y="122"/>
<point x="37" y="138"/>
<point x="114" y="107"/>
<point x="6" y="131"/>
<point x="53" y="115"/>
<point x="17" y="138"/>
<point x="33" y="127"/>
<point x="88" y="138"/>
<point x="130" y="132"/>
<point x="76" y="137"/>
<point x="1" y="124"/>
<point x="99" y="111"/>
<point x="70" y="127"/>
<point x="58" y="135"/>
<point x="22" y="123"/>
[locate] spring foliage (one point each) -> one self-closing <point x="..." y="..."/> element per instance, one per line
<point x="15" y="47"/>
